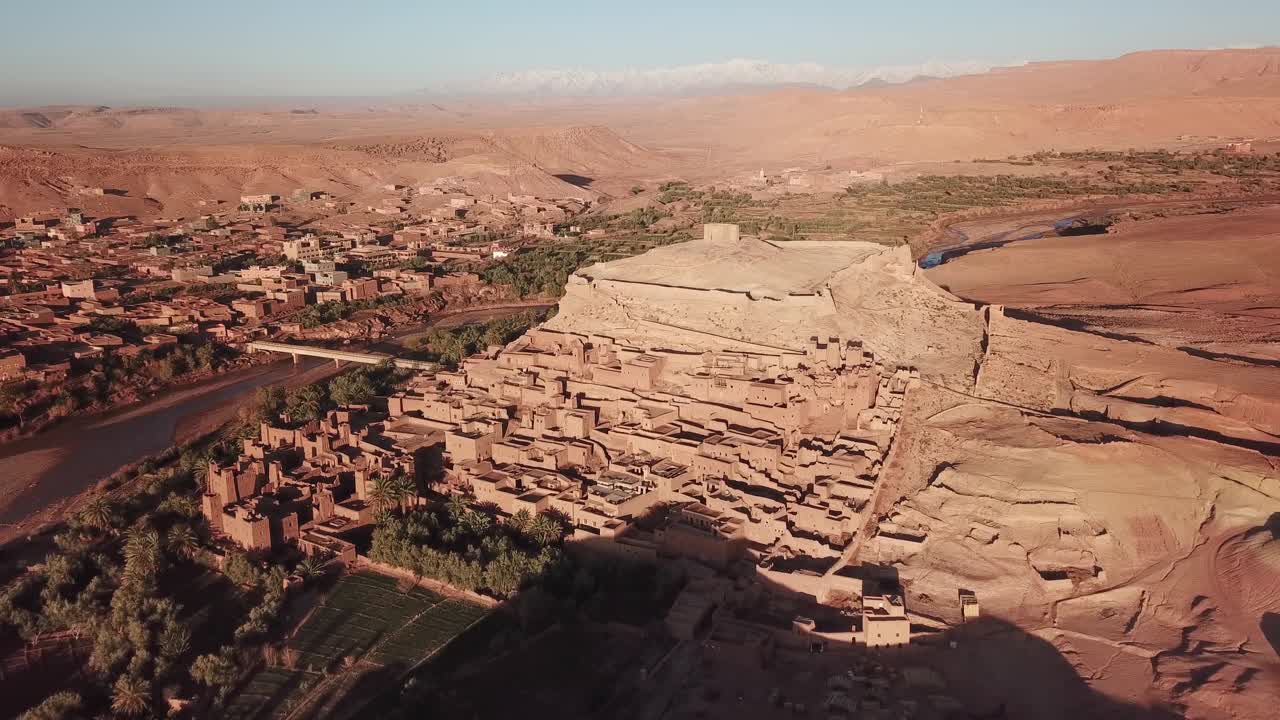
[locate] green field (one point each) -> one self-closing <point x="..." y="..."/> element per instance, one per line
<point x="361" y="610"/>
<point x="573" y="672"/>
<point x="429" y="632"/>
<point x="265" y="692"/>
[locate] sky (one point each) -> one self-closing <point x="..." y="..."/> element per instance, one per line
<point x="133" y="51"/>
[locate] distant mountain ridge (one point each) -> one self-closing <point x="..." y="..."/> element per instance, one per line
<point x="702" y="78"/>
<point x="581" y="146"/>
<point x="1251" y="72"/>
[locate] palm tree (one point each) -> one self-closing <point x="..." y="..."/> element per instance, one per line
<point x="401" y="488"/>
<point x="182" y="542"/>
<point x="142" y="543"/>
<point x="544" y="529"/>
<point x="131" y="696"/>
<point x="141" y="553"/>
<point x="98" y="513"/>
<point x="175" y="641"/>
<point x="310" y="568"/>
<point x="457" y="507"/>
<point x="476" y="522"/>
<point x="380" y="494"/>
<point x="393" y="490"/>
<point x="520" y="521"/>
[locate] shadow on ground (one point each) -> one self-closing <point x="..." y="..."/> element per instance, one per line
<point x="994" y="670"/>
<point x="581" y="181"/>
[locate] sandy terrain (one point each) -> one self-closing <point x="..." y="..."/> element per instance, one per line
<point x="1154" y="99"/>
<point x="172" y="181"/>
<point x="1207" y="280"/>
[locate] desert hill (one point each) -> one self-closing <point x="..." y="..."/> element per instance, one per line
<point x="201" y="125"/>
<point x="1111" y="488"/>
<point x="744" y="292"/>
<point x="1107" y="495"/>
<point x="165" y="159"/>
<point x="175" y="179"/>
<point x="582" y="162"/>
<point x="587" y="153"/>
<point x="1148" y="74"/>
<point x="1172" y="98"/>
<point x="1218" y="94"/>
<point x="103" y="119"/>
<point x="1151" y="99"/>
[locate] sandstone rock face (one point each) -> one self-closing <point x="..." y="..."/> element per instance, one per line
<point x="725" y="292"/>
<point x="1029" y="509"/>
<point x="1051" y="369"/>
<point x="1111" y="496"/>
<point x="1198" y="279"/>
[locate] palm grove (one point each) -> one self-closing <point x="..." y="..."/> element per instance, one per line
<point x="112" y="584"/>
<point x="117" y="581"/>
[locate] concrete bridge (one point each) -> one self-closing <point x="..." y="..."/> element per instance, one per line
<point x="338" y="356"/>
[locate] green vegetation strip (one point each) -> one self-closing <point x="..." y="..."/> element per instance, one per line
<point x="428" y="632"/>
<point x="364" y="609"/>
<point x="361" y="610"/>
<point x="265" y="692"/>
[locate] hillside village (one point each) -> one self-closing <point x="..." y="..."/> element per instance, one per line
<point x="640" y="363"/>
<point x="734" y="460"/>
<point x="727" y="425"/>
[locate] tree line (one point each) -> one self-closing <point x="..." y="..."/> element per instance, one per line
<point x="449" y="346"/>
<point x="465" y="548"/>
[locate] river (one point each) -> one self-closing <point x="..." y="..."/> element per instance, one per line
<point x="1065" y="227"/>
<point x="54" y="466"/>
<point x="58" y="464"/>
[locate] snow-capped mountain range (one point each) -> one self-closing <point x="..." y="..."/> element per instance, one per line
<point x="699" y="79"/>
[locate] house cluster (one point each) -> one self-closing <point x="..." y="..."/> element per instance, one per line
<point x="44" y="333"/>
<point x="729" y="437"/>
<point x="237" y="272"/>
<point x="728" y="459"/>
<point x="456" y="207"/>
<point x="310" y="485"/>
<point x="800" y="180"/>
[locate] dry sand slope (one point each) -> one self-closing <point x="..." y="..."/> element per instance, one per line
<point x="573" y="162"/>
<point x="1152" y="99"/>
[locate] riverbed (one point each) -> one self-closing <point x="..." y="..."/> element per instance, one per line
<point x="62" y="462"/>
<point x="40" y="474"/>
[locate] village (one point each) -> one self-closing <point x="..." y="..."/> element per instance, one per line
<point x="738" y="462"/>
<point x="759" y="469"/>
<point x="753" y="471"/>
<point x="805" y="361"/>
<point x="82" y="296"/>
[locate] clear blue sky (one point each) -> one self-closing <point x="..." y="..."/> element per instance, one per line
<point x="134" y="50"/>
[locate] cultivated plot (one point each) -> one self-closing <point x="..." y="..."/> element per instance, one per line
<point x="428" y="632"/>
<point x="361" y="610"/>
